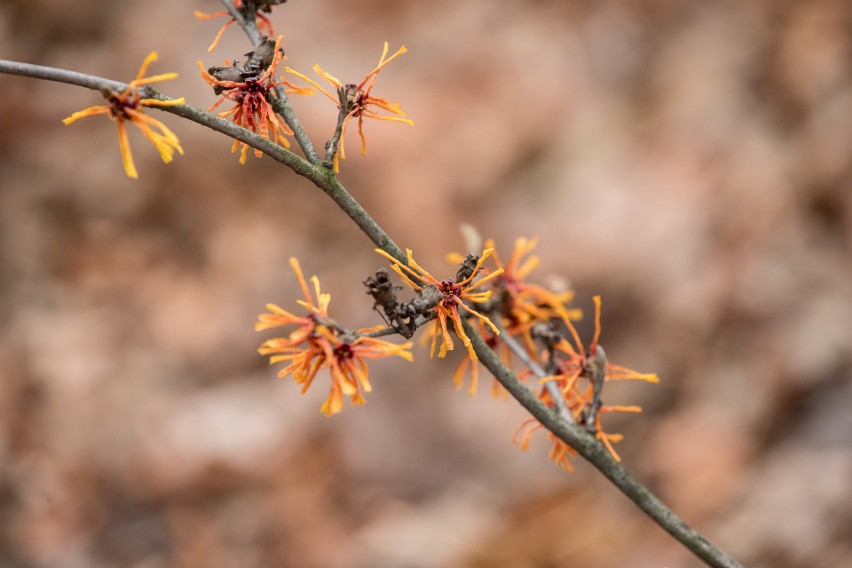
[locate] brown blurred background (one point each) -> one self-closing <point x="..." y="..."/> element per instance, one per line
<point x="690" y="161"/>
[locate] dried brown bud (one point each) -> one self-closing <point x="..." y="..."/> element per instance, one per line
<point x="467" y="267"/>
<point x="250" y="7"/>
<point x="260" y="58"/>
<point x="231" y="73"/>
<point x="382" y="290"/>
<point x="546" y="333"/>
<point x="349" y="96"/>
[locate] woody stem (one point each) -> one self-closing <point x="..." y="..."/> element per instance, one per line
<point x="569" y="432"/>
<point x="587" y="446"/>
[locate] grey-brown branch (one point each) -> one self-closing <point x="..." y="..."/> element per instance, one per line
<point x="569" y="432"/>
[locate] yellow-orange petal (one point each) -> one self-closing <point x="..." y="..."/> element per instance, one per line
<point x="311" y="82"/>
<point x="161" y="103"/>
<point x="91" y="111"/>
<point x="124" y="147"/>
<point x="150" y="58"/>
<point x="330" y="78"/>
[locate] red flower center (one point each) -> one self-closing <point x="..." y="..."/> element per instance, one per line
<point x="344" y="351"/>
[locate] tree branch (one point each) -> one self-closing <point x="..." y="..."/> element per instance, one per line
<point x="569" y="432"/>
<point x="321" y="176"/>
<point x="332" y="145"/>
<point x="588" y="447"/>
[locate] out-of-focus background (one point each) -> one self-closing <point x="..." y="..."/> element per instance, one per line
<point x="690" y="161"/>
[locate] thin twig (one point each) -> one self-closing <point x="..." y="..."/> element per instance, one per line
<point x="536" y="369"/>
<point x="331" y="146"/>
<point x="249" y="26"/>
<point x="59" y="75"/>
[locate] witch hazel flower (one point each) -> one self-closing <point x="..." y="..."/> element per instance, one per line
<point x="318" y="343"/>
<point x="127" y="106"/>
<point x="526" y="301"/>
<point x="581" y="374"/>
<point x="359" y="100"/>
<point x="454" y="296"/>
<point x="250" y="87"/>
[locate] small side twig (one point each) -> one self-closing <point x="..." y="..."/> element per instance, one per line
<point x="332" y="146"/>
<point x="537" y="371"/>
<point x="595" y="369"/>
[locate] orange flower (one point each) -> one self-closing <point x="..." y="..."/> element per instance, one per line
<point x="453" y="296"/>
<point x="583" y="401"/>
<point x="252" y="110"/>
<point x="319" y="343"/>
<point x="560" y="452"/>
<point x="522" y="304"/>
<point x="244" y="8"/>
<point x="579" y="361"/>
<point x="127" y="107"/>
<point x="531" y="301"/>
<point x="348" y="368"/>
<point x="359" y="100"/>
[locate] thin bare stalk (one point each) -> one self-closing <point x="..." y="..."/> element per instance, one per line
<point x="333" y="144"/>
<point x="249" y="26"/>
<point x="536" y="369"/>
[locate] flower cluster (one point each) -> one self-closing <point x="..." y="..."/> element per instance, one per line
<point x="529" y="326"/>
<point x="356" y="100"/>
<point x="537" y="321"/>
<point x="126" y="106"/>
<point x="519" y="304"/>
<point x="319" y="343"/>
<point x="249" y="87"/>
